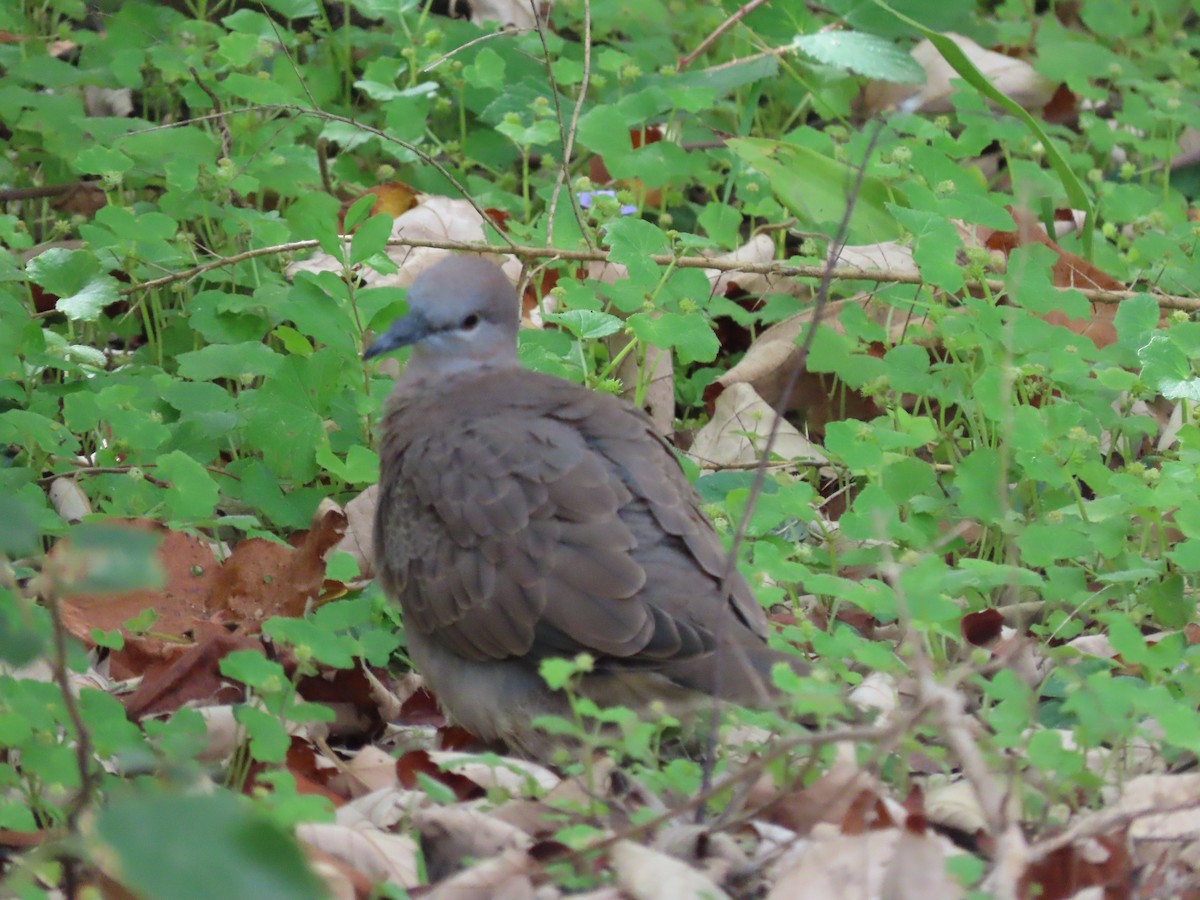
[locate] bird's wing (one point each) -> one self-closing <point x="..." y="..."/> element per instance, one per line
<point x="532" y="531"/>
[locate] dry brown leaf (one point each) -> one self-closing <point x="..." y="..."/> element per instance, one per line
<point x="434" y="218"/>
<point x="383" y="809"/>
<point x="918" y="869"/>
<point x="517" y="13"/>
<point x="1100" y="861"/>
<point x="382" y="857"/>
<point x="189" y="569"/>
<point x="506" y="877"/>
<point x="369" y="771"/>
<point x="451" y="835"/>
<point x="656" y="370"/>
<point x="767" y="365"/>
<point x="360" y="525"/>
<point x="647" y="874"/>
<point x="393" y="198"/>
<point x="828" y="799"/>
<point x="954" y="804"/>
<point x="736" y="434"/>
<point x="877" y="693"/>
<point x="840" y="866"/>
<point x="658" y="399"/>
<point x="759" y="249"/>
<point x="191" y="676"/>
<point x="1163" y="792"/>
<point x="340" y="883"/>
<point x="262" y="579"/>
<point x="518" y="777"/>
<point x="1014" y="78"/>
<point x="889" y="257"/>
<point x="1068" y="271"/>
<point x="69" y="500"/>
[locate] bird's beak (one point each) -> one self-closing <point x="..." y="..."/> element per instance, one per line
<point x="405" y="331"/>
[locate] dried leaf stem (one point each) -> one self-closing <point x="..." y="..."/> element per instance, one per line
<point x="780" y="268"/>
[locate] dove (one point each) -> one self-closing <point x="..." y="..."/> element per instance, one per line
<point x="522" y="517"/>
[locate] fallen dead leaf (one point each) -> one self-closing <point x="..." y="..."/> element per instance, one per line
<point x="918" y="869"/>
<point x="505" y="877"/>
<point x="191" y="676"/>
<point x="381" y="857"/>
<point x="1014" y="78"/>
<point x="452" y="835"/>
<point x="433" y="218"/>
<point x="647" y="874"/>
<point x="69" y="500"/>
<point x="737" y="431"/>
<point x="518" y="777"/>
<point x="369" y="771"/>
<point x="384" y="809"/>
<point x="360" y="525"/>
<point x="767" y="365"/>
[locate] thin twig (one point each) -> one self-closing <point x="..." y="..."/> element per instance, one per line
<point x="1010" y="858"/>
<point x="780" y="268"/>
<point x="685" y="61"/>
<point x="781" y="406"/>
<point x="568" y="136"/>
<point x="89" y="776"/>
<point x="83" y="468"/>
<point x="507" y="31"/>
<point x="857" y="734"/>
<point x="1103" y="822"/>
<point x="222" y="124"/>
<point x="45" y="190"/>
<point x="345" y="120"/>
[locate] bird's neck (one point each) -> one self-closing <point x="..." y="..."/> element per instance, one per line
<point x="427" y="371"/>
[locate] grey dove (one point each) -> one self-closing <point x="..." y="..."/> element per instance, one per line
<point x="522" y="517"/>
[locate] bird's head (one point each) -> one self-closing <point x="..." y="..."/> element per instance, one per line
<point x="462" y="315"/>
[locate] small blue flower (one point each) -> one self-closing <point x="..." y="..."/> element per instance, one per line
<point x="585" y="200"/>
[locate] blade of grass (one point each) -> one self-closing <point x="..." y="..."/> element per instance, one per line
<point x="958" y="61"/>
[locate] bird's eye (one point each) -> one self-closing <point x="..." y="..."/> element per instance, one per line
<point x="470" y="322"/>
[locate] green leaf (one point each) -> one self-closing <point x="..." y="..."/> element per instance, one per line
<point x="142" y="622"/>
<point x="311" y="641"/>
<point x="18" y="531"/>
<point x="294" y="9"/>
<point x="371" y="237"/>
<point x="980" y="482"/>
<point x="112" y="558"/>
<point x="193" y="493"/>
<point x="361" y="465"/>
<point x="358" y="211"/>
<point x="1167" y="369"/>
<point x="254" y="670"/>
<point x="1167" y="601"/>
<point x="631" y="242"/>
<point x="691" y="335"/>
<point x="229" y="361"/>
<point x="864" y="54"/>
<point x="24" y="629"/>
<point x="585" y="324"/>
<point x="269" y="740"/>
<point x="190" y="847"/>
<point x="74" y="275"/>
<point x="487" y="71"/>
<point x="936" y="246"/>
<point x="819" y="195"/>
<point x="101" y="161"/>
<point x="1136" y="320"/>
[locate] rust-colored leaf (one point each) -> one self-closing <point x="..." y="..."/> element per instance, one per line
<point x="193" y="675"/>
